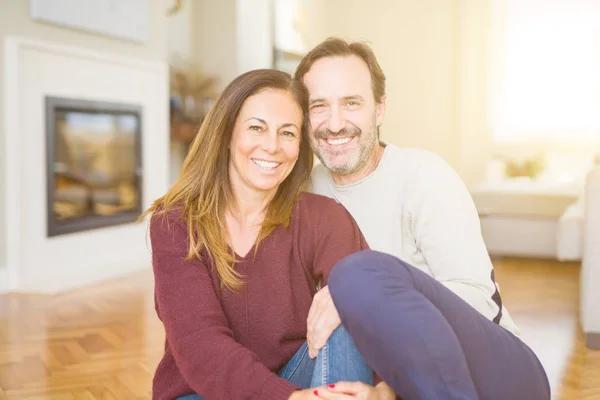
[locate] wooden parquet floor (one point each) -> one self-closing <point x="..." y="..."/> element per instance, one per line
<point x="103" y="342"/>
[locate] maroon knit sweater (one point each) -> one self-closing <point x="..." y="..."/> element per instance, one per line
<point x="228" y="346"/>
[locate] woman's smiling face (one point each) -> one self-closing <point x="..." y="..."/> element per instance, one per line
<point x="265" y="143"/>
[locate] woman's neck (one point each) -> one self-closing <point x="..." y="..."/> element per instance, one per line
<point x="250" y="207"/>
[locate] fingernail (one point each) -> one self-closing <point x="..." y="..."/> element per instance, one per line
<point x="316" y="392"/>
<point x="331" y="385"/>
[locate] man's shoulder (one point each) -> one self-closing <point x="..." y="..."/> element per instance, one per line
<point x="414" y="156"/>
<point x="418" y="162"/>
<point x="320" y="180"/>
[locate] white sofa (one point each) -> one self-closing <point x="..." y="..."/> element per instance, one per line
<point x="590" y="263"/>
<point x="521" y="217"/>
<point x="569" y="234"/>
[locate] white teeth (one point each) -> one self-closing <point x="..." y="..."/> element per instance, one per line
<point x="337" y="142"/>
<point x="265" y="164"/>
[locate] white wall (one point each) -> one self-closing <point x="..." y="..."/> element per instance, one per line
<point x="473" y="88"/>
<point x="215" y="38"/>
<point x="15" y="20"/>
<point x="232" y="37"/>
<point x="180" y="31"/>
<point x="254" y="38"/>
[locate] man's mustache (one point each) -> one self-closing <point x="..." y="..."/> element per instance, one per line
<point x="325" y="133"/>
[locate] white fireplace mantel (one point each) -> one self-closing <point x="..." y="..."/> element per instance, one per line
<point x="33" y="69"/>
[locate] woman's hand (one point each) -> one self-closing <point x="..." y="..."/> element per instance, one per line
<point x="317" y="394"/>
<point x="322" y="320"/>
<point x="358" y="391"/>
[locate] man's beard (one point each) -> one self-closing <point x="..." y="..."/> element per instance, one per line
<point x="356" y="159"/>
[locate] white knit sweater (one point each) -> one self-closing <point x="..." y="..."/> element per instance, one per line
<point x="415" y="207"/>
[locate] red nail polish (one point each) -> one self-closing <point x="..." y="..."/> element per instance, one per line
<point x="316" y="392"/>
<point x="331" y="385"/>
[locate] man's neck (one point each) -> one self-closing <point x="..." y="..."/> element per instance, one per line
<point x="364" y="171"/>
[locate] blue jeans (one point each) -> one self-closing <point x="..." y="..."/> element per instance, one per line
<point x="338" y="360"/>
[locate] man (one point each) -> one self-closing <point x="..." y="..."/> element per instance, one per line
<point x="423" y="309"/>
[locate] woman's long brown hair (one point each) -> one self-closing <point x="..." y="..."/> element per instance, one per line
<point x="203" y="192"/>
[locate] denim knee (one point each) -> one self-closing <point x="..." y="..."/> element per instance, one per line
<point x="340" y="335"/>
<point x="340" y="360"/>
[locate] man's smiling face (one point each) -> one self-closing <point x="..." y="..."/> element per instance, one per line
<point x="343" y="113"/>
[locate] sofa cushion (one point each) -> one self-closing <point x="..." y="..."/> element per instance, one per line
<point x="517" y="198"/>
<point x="569" y="233"/>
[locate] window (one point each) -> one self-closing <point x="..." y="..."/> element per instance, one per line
<point x="546" y="70"/>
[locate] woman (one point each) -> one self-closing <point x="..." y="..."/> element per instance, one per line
<point x="238" y="251"/>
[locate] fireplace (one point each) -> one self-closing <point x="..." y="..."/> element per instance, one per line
<point x="94" y="165"/>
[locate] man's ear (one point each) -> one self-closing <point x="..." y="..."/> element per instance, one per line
<point x="380" y="112"/>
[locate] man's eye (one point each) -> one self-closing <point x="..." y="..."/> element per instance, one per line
<point x="316" y="106"/>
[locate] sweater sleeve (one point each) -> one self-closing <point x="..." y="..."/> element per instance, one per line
<point x="446" y="228"/>
<point x="336" y="235"/>
<point x="205" y="351"/>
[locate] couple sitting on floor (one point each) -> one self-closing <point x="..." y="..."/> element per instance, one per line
<point x="248" y="232"/>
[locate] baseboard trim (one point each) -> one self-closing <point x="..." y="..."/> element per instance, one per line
<point x="592" y="340"/>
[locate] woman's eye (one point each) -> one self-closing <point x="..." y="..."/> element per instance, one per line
<point x="256" y="128"/>
<point x="289" y="134"/>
